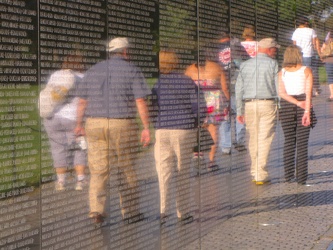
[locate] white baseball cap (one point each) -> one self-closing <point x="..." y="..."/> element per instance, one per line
<point x="267" y="43"/>
<point x="117" y="44"/>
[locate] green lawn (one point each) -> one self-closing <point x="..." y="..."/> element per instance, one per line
<point x="25" y="159"/>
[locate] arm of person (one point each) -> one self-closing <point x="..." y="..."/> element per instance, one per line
<point x="224" y="85"/>
<point x="306" y="120"/>
<point x="81" y="108"/>
<point x="144" y="116"/>
<point x="239" y="89"/>
<point x="284" y="95"/>
<point x="316" y="43"/>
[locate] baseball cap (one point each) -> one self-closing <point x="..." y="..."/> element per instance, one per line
<point x="267" y="43"/>
<point x="117" y="44"/>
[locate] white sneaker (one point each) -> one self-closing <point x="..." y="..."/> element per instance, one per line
<point x="226" y="151"/>
<point x="80" y="185"/>
<point x="59" y="186"/>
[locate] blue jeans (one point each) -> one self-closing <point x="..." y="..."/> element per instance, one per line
<point x="307" y="61"/>
<point x="225" y="130"/>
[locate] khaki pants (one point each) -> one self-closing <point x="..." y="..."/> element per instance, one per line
<point x="260" y="119"/>
<point x="112" y="147"/>
<point x="173" y="153"/>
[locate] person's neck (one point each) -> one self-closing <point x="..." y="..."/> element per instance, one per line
<point x="293" y="68"/>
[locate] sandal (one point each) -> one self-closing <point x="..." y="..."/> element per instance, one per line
<point x="329" y="99"/>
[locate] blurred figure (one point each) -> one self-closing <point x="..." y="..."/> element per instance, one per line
<point x="249" y="43"/>
<point x="65" y="146"/>
<point x="111" y="93"/>
<point x="176" y="107"/>
<point x="316" y="61"/>
<point x="231" y="55"/>
<point x="256" y="102"/>
<point x="327" y="58"/>
<point x="295" y="89"/>
<point x="305" y="38"/>
<point x="212" y="81"/>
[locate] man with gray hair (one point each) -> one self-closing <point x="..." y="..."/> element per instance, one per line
<point x="111" y="93"/>
<point x="256" y="102"/>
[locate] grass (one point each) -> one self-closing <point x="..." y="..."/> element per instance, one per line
<point x="322" y="75"/>
<point x="25" y="159"/>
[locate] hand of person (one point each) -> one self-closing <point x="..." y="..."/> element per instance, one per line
<point x="79" y="130"/>
<point x="306" y="120"/>
<point x="301" y="104"/>
<point x="240" y="119"/>
<point x="204" y="125"/>
<point x="145" y="137"/>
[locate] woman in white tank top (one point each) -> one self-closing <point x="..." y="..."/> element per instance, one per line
<point x="295" y="90"/>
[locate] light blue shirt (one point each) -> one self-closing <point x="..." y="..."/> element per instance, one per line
<point x="257" y="79"/>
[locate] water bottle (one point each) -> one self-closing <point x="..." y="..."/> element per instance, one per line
<point x="81" y="142"/>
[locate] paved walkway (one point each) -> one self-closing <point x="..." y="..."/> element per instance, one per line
<point x="283" y="216"/>
<point x="230" y="211"/>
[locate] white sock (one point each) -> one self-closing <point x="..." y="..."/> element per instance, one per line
<point x="61" y="177"/>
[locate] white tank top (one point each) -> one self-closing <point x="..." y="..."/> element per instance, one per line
<point x="294" y="82"/>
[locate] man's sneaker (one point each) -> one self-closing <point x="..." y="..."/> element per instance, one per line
<point x="226" y="151"/>
<point x="59" y="186"/>
<point x="80" y="185"/>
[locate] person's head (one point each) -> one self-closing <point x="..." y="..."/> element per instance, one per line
<point x="303" y="21"/>
<point x="168" y="61"/>
<point x="118" y="45"/>
<point x="225" y="37"/>
<point x="248" y="33"/>
<point x="292" y="56"/>
<point x="268" y="46"/>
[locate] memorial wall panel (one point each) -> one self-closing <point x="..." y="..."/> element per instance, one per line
<point x="177" y="41"/>
<point x="93" y="184"/>
<point x="19" y="154"/>
<point x="214" y="67"/>
<point x="137" y="21"/>
<point x="72" y="36"/>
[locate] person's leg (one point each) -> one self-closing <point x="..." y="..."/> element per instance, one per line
<point x="59" y="149"/>
<point x="79" y="155"/>
<point x="212" y="128"/>
<point x="329" y="74"/>
<point x="98" y="164"/>
<point x="240" y="134"/>
<point x="302" y="139"/>
<point x="239" y="128"/>
<point x="225" y="136"/>
<point x="123" y="134"/>
<point x="288" y="123"/>
<point x="182" y="141"/>
<point x="315" y="72"/>
<point x="164" y="165"/>
<point x="251" y="129"/>
<point x="267" y="111"/>
<point x="331" y="90"/>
